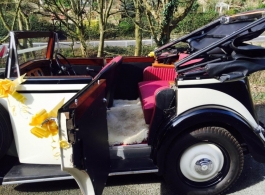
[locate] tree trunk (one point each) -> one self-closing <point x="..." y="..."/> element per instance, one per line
<point x="83" y="46"/>
<point x="161" y="18"/>
<point x="81" y="37"/>
<point x="138" y="41"/>
<point x="138" y="31"/>
<point x="164" y="36"/>
<point x="101" y="40"/>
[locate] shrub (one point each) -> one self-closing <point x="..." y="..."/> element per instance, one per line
<point x="194" y="21"/>
<point x="39" y="24"/>
<point x="112" y="31"/>
<point x="126" y="28"/>
<point x="92" y="29"/>
<point x="231" y="12"/>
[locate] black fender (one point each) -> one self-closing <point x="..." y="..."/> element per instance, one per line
<point x="200" y="117"/>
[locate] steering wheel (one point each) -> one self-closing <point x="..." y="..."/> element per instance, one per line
<point x="65" y="68"/>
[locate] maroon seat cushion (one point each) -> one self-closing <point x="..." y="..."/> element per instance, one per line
<point x="147" y="93"/>
<point x="157" y="79"/>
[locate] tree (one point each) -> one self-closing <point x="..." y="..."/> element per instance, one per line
<point x="133" y="9"/>
<point x="138" y="30"/>
<point x="104" y="11"/>
<point x="71" y="14"/>
<point x="164" y="15"/>
<point x="15" y="19"/>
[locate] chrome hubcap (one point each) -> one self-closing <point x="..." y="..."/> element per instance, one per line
<point x="204" y="166"/>
<point x="201" y="162"/>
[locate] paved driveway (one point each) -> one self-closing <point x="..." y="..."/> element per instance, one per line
<point x="251" y="182"/>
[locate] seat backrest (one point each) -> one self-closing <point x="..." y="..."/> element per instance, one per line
<point x="35" y="72"/>
<point x="165" y="105"/>
<point x="152" y="74"/>
<point x="110" y="72"/>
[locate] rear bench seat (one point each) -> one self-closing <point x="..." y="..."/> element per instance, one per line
<point x="154" y="80"/>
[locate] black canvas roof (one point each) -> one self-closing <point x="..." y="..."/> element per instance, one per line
<point x="224" y="50"/>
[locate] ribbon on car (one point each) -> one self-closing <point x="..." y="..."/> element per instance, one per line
<point x="45" y="123"/>
<point x="55" y="150"/>
<point x="64" y="144"/>
<point x="151" y="54"/>
<point x="8" y="87"/>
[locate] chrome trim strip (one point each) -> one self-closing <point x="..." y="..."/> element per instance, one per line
<point x="50" y="87"/>
<point x="133" y="172"/>
<point x="198" y="82"/>
<point x="130" y="146"/>
<point x="37" y="180"/>
<point x="71" y="177"/>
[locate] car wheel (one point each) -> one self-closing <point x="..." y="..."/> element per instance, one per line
<point x="204" y="161"/>
<point x="6" y="134"/>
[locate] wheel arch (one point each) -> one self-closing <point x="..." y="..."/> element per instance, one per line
<point x="198" y="118"/>
<point x="7" y="135"/>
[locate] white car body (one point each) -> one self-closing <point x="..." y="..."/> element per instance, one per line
<point x="31" y="149"/>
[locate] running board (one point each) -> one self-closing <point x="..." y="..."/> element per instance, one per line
<point x="30" y="173"/>
<point x="124" y="160"/>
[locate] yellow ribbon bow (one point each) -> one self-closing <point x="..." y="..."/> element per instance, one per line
<point x="45" y="123"/>
<point x="64" y="144"/>
<point x="151" y="54"/>
<point x="8" y="87"/>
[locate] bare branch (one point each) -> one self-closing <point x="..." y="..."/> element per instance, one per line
<point x="9" y="28"/>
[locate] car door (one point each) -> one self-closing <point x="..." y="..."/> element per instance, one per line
<point x="83" y="137"/>
<point x="41" y="91"/>
<point x="40" y="94"/>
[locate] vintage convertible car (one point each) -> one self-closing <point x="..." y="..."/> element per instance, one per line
<point x="187" y="114"/>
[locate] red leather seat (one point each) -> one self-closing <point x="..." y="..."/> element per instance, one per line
<point x="152" y="74"/>
<point x="147" y="91"/>
<point x="153" y="79"/>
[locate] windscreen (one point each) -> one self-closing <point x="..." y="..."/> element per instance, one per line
<point x="31" y="49"/>
<point x="24" y="50"/>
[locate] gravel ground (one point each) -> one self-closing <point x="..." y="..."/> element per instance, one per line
<point x="251" y="182"/>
